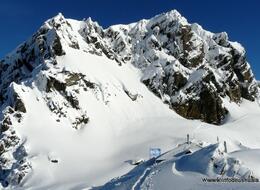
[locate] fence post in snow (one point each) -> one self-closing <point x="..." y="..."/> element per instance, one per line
<point x="225" y="146"/>
<point x="217" y="139"/>
<point x="188" y="139"/>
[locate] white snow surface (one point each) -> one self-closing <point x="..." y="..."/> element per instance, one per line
<point x="121" y="129"/>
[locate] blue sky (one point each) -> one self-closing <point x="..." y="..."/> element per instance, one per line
<point x="19" y="19"/>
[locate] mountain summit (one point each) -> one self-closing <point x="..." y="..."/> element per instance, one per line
<point x="189" y="68"/>
<point x="74" y="76"/>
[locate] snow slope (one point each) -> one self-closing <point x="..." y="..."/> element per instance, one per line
<point x="89" y="149"/>
<point x="96" y="153"/>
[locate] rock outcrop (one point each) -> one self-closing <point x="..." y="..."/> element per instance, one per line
<point x="190" y="68"/>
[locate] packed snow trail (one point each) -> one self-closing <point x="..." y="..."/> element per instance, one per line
<point x="168" y="173"/>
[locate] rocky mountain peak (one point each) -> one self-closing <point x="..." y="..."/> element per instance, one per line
<point x="181" y="62"/>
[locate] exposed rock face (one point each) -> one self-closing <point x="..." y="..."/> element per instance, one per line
<point x="182" y="63"/>
<point x="54" y="84"/>
<point x="208" y="107"/>
<point x="60" y="89"/>
<point x="13" y="162"/>
<point x="37" y="53"/>
<point x="171" y="52"/>
<point x="18" y="103"/>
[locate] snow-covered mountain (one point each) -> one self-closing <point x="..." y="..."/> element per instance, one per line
<point x="78" y="100"/>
